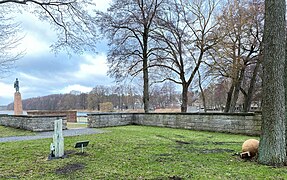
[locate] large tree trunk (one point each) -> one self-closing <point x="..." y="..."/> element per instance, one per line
<point x="285" y="86"/>
<point x="202" y="92"/>
<point x="145" y="72"/>
<point x="146" y="87"/>
<point x="248" y="97"/>
<point x="184" y="98"/>
<point x="272" y="149"/>
<point x="234" y="75"/>
<point x="229" y="97"/>
<point x="237" y="90"/>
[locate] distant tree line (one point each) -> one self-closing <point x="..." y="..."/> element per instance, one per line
<point x="162" y="96"/>
<point x="121" y="98"/>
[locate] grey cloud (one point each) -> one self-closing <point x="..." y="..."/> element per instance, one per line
<point x="48" y="64"/>
<point x="46" y="73"/>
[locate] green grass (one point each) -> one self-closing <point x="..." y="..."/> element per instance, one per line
<point x="8" y="131"/>
<point x="135" y="152"/>
<point x="76" y="125"/>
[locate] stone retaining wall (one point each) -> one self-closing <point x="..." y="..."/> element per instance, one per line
<point x="238" y="123"/>
<point x="71" y="116"/>
<point x="32" y="123"/>
<point x="110" y="119"/>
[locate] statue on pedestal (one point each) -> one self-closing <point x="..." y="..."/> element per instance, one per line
<point x="18" y="109"/>
<point x="16" y="85"/>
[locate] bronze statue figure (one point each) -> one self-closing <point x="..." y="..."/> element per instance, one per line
<point x="16" y="85"/>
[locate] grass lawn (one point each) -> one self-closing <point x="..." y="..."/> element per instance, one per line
<point x="75" y="125"/>
<point x="8" y="131"/>
<point x="136" y="152"/>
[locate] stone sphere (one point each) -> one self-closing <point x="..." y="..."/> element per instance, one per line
<point x="251" y="146"/>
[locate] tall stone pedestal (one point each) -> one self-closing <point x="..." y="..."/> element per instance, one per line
<point x="18" y="110"/>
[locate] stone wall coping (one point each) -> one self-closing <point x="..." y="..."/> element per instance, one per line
<point x="48" y="116"/>
<point x="8" y="115"/>
<point x="109" y="113"/>
<point x="195" y="113"/>
<point x="57" y="111"/>
<point x="31" y="116"/>
<point x="4" y="115"/>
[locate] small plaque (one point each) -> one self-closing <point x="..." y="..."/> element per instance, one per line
<point x="81" y="144"/>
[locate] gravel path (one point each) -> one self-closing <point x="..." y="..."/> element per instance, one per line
<point x="43" y="135"/>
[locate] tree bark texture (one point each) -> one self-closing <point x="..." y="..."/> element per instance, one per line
<point x="184" y="97"/>
<point x="145" y="71"/>
<point x="202" y="92"/>
<point x="285" y="86"/>
<point x="237" y="90"/>
<point x="229" y="97"/>
<point x="272" y="149"/>
<point x="248" y="97"/>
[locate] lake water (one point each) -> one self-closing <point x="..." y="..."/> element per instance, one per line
<point x="25" y="113"/>
<point x="11" y="112"/>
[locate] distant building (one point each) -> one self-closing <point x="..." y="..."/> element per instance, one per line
<point x="74" y="92"/>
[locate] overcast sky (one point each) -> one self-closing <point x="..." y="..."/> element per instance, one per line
<point x="41" y="72"/>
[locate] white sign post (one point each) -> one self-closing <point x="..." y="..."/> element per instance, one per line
<point x="58" y="139"/>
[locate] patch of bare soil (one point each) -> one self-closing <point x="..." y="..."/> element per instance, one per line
<point x="166" y="157"/>
<point x="169" y="178"/>
<point x="182" y="142"/>
<point x="69" y="168"/>
<point x="191" y="145"/>
<point x="217" y="150"/>
<point x="174" y="178"/>
<point x="223" y="143"/>
<point x="82" y="154"/>
<point x="68" y="152"/>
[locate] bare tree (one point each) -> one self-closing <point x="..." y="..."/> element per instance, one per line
<point x="241" y="23"/>
<point x="185" y="33"/>
<point x="9" y="40"/>
<point x="164" y="95"/>
<point x="252" y="82"/>
<point x="96" y="96"/>
<point x="72" y="20"/>
<point x="128" y="24"/>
